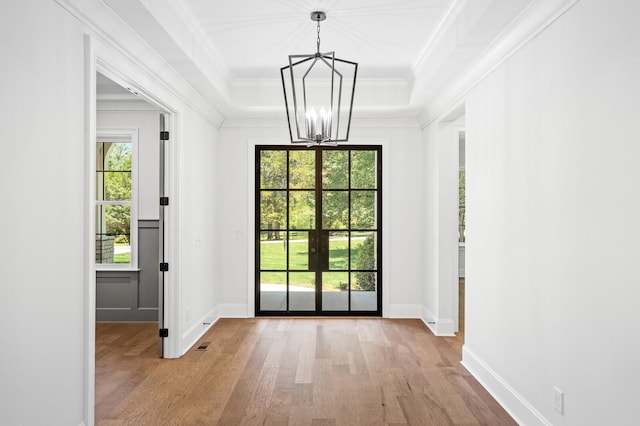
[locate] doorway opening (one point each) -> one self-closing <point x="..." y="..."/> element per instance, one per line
<point x="129" y="228"/>
<point x="318" y="230"/>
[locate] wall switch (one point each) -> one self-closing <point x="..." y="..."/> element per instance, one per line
<point x="558" y="400"/>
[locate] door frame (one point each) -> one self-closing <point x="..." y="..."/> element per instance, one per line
<point x="100" y="58"/>
<point x="319" y="230"/>
<point x="251" y="149"/>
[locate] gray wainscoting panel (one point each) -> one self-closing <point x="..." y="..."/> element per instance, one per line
<point x="131" y="296"/>
<point x="115" y="290"/>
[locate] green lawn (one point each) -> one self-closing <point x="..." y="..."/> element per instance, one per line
<point x="122" y="258"/>
<point x="273" y="256"/>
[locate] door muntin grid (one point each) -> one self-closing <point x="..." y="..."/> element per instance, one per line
<point x="330" y="269"/>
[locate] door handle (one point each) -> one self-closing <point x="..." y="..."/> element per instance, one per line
<point x="313" y="258"/>
<point x="323" y="261"/>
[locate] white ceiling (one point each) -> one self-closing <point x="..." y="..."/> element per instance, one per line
<point x="408" y="50"/>
<point x="254" y="37"/>
<point x="107" y="89"/>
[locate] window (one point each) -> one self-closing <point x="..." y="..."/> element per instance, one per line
<point x="116" y="218"/>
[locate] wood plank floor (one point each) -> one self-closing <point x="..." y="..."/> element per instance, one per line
<point x="308" y="371"/>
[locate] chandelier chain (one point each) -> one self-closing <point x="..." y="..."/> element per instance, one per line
<point x="318" y="40"/>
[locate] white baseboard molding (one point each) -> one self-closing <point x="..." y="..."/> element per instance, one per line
<point x="515" y="404"/>
<point x="197" y="330"/>
<point x="402" y="311"/>
<point x="438" y="326"/>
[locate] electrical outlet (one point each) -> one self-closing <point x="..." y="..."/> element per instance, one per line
<point x="558" y="400"/>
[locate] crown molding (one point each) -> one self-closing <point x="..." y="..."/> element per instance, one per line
<point x="445" y="22"/>
<point x="281" y="123"/>
<point x="532" y="21"/>
<point x="130" y="51"/>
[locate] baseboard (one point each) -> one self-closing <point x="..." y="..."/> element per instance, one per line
<point x="515" y="404"/>
<point x="197" y="330"/>
<point x="402" y="311"/>
<point x="438" y="326"/>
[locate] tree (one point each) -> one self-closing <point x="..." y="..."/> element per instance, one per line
<point x="366" y="260"/>
<point x="363" y="169"/>
<point x="117" y="187"/>
<point x="273" y="175"/>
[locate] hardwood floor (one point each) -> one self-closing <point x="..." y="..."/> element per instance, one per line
<point x="290" y="371"/>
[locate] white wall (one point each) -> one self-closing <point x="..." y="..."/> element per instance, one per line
<point x="46" y="374"/>
<point x="440" y="237"/>
<point x="198" y="208"/>
<point x="552" y="214"/>
<point x="403" y="196"/>
<point x="42" y="249"/>
<point x="148" y="125"/>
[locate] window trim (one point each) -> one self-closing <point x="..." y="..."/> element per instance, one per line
<point x="124" y="135"/>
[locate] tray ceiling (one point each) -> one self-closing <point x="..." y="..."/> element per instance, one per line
<point x="408" y="51"/>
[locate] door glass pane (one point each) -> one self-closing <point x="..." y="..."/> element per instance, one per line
<point x="273" y="169"/>
<point x="363" y="169"/>
<point x="335" y="169"/>
<point x="363" y="209"/>
<point x="302" y="169"/>
<point x="335" y="291"/>
<point x="299" y="250"/>
<point x="302" y="210"/>
<point x="273" y="212"/>
<point x="302" y="291"/>
<point x="335" y="210"/>
<point x="273" y="295"/>
<point x="363" y="250"/>
<point x="273" y="252"/>
<point x="338" y="251"/>
<point x="364" y="291"/>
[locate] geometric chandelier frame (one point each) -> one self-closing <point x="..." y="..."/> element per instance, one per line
<point x="318" y="94"/>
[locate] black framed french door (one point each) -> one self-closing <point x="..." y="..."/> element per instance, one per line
<point x="318" y="230"/>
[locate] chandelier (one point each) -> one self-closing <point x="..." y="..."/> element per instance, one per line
<point x="318" y="95"/>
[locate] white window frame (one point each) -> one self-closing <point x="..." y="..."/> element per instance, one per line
<point x="126" y="136"/>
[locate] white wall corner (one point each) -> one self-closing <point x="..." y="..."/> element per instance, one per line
<point x="197" y="330"/>
<point x="515" y="404"/>
<point x="439" y="327"/>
